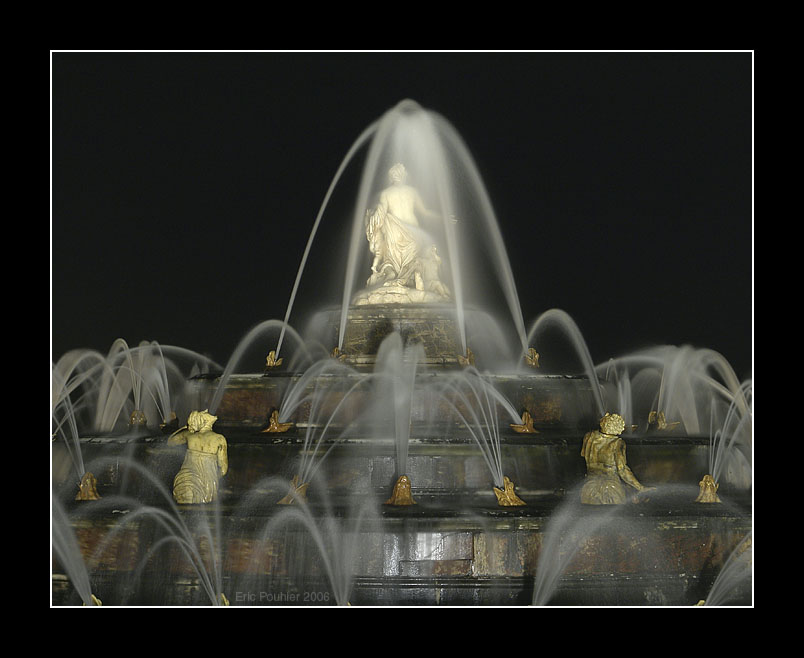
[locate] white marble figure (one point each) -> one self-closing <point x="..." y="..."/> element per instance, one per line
<point x="406" y="264"/>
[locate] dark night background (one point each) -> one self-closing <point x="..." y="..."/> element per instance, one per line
<point x="185" y="186"/>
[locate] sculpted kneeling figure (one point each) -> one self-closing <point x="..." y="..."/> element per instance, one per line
<point x="205" y="462"/>
<point x="606" y="468"/>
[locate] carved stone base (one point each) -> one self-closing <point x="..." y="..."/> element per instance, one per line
<point x="396" y="295"/>
<point x="433" y="326"/>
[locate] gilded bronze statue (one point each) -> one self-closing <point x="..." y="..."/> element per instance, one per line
<point x="606" y="467"/>
<point x="204" y="463"/>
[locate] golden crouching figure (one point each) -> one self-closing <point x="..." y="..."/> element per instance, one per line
<point x="506" y="496"/>
<point x="88" y="488"/>
<point x="205" y="462"/>
<point x="271" y="361"/>
<point x="606" y="468"/>
<point x="274" y="425"/>
<point x="402" y="494"/>
<point x="297" y="491"/>
<point x="527" y="424"/>
<point x="532" y="357"/>
<point x="708" y="490"/>
<point x="468" y="360"/>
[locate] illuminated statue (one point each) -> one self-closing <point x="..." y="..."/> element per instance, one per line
<point x="606" y="468"/>
<point x="205" y="462"/>
<point x="406" y="264"/>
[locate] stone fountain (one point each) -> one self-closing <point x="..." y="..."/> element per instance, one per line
<point x="413" y="447"/>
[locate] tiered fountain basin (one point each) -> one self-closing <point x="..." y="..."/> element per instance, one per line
<point x="664" y="553"/>
<point x="456" y="546"/>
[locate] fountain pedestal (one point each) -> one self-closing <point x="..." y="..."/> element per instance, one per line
<point x="432" y="326"/>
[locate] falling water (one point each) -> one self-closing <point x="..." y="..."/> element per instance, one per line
<point x="234" y="360"/>
<point x="395" y="376"/>
<point x="567" y="325"/>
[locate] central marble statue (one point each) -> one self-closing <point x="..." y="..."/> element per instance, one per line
<point x="406" y="265"/>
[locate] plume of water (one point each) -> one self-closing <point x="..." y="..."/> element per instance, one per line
<point x="67" y="552"/>
<point x="248" y="341"/>
<point x="568" y="529"/>
<point x="66" y="427"/>
<point x="447" y="175"/>
<point x="730" y="444"/>
<point x="303" y="390"/>
<point x="735" y="577"/>
<point x="338" y="541"/>
<point x="477" y="404"/>
<point x="199" y="542"/>
<point x="557" y="318"/>
<point x="394" y="384"/>
<point x="683" y="383"/>
<point x="324" y="420"/>
<point x="108" y="388"/>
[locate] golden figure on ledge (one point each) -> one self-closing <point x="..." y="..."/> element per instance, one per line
<point x="527" y="424"/>
<point x="532" y="358"/>
<point x="297" y="491"/>
<point x="402" y="494"/>
<point x="606" y="467"/>
<point x="338" y="355"/>
<point x="205" y="462"/>
<point x="271" y="361"/>
<point x="468" y="360"/>
<point x="708" y="490"/>
<point x="137" y="418"/>
<point x="274" y="425"/>
<point x="506" y="496"/>
<point x="170" y="425"/>
<point x="95" y="601"/>
<point x="658" y="419"/>
<point x="88" y="488"/>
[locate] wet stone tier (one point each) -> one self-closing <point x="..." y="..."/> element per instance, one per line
<point x="433" y="327"/>
<point x="664" y="553"/>
<point x="552" y="401"/>
<point x="455" y="546"/>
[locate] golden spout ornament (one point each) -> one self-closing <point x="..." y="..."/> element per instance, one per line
<point x="527" y="424"/>
<point x="532" y="358"/>
<point x="506" y="496"/>
<point x="297" y="492"/>
<point x="271" y="361"/>
<point x="88" y="488"/>
<point x="223" y="599"/>
<point x="402" y="493"/>
<point x="169" y="425"/>
<point x="95" y="601"/>
<point x="274" y="426"/>
<point x="338" y="355"/>
<point x="468" y="359"/>
<point x="137" y="418"/>
<point x="708" y="490"/>
<point x="658" y="419"/>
